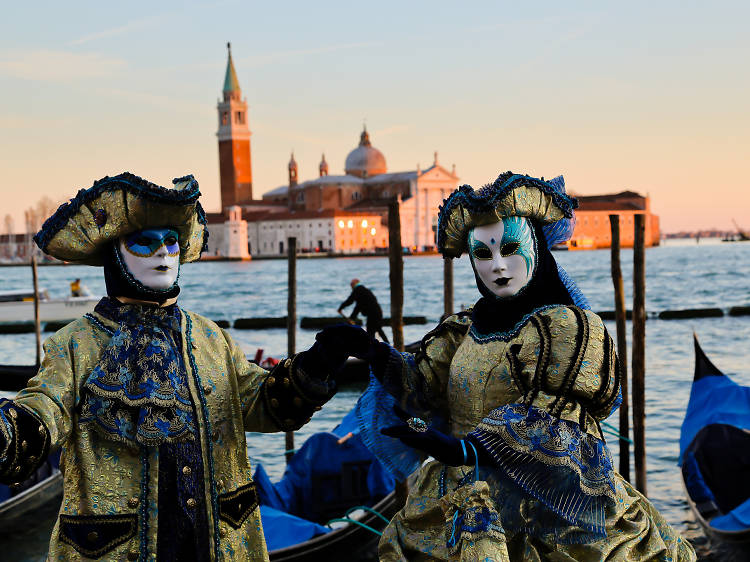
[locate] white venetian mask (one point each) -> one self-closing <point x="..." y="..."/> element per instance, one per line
<point x="504" y="255"/>
<point x="152" y="257"/>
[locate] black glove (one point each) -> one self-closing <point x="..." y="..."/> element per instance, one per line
<point x="446" y="449"/>
<point x="333" y="345"/>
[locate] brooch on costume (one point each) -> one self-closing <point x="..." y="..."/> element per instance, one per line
<point x="417" y="424"/>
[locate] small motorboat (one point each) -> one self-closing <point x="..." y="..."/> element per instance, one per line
<point x="715" y="452"/>
<point x="17" y="307"/>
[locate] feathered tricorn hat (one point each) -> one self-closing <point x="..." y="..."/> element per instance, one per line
<point x="509" y="195"/>
<point x="115" y="206"/>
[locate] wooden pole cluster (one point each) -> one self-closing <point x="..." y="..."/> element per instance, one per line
<point x="37" y="323"/>
<point x="447" y="286"/>
<point x="291" y="324"/>
<point x="639" y="353"/>
<point x="396" y="274"/>
<point x="622" y="346"/>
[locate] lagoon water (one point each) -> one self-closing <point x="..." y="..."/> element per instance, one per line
<point x="680" y="274"/>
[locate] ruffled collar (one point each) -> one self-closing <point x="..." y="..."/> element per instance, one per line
<point x="138" y="392"/>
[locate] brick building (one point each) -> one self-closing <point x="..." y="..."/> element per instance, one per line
<point x="592" y="229"/>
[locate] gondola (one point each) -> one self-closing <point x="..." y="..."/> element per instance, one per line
<point x="715" y="452"/>
<point x="21" y="503"/>
<point x="356" y="541"/>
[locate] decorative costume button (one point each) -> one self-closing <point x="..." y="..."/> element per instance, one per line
<point x="222" y="532"/>
<point x="271" y="381"/>
<point x="13" y="413"/>
<point x="41" y="429"/>
<point x="186" y="470"/>
<point x="100" y="217"/>
<point x="274" y="403"/>
<point x="24" y="445"/>
<point x="191" y="503"/>
<point x="93" y="536"/>
<point x="287" y="363"/>
<point x="286" y="382"/>
<point x="132" y="555"/>
<point x="133" y="502"/>
<point x="207" y="390"/>
<point x="298" y="401"/>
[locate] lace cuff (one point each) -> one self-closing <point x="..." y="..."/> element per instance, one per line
<point x="292" y="396"/>
<point x="551" y="460"/>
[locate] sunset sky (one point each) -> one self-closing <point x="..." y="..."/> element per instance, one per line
<point x="647" y="96"/>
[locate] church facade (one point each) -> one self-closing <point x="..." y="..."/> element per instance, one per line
<point x="344" y="213"/>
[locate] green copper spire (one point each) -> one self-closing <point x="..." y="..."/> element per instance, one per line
<point x="231" y="84"/>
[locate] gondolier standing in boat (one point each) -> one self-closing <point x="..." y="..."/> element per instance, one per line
<point x="365" y="302"/>
<point x="150" y="402"/>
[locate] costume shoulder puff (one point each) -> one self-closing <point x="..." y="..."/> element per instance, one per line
<point x="567" y="352"/>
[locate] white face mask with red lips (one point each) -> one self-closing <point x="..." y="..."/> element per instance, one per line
<point x="504" y="255"/>
<point x="152" y="256"/>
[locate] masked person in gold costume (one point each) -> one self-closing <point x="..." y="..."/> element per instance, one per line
<point x="149" y="402"/>
<point x="507" y="397"/>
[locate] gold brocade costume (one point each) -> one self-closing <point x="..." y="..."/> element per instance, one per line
<point x="461" y="376"/>
<point x="114" y="486"/>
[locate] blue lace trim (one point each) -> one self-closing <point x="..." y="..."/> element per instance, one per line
<point x="374" y="411"/>
<point x="579" y="299"/>
<point x="207" y="422"/>
<point x="508" y="334"/>
<point x="128" y="182"/>
<point x="552" y="460"/>
<point x="485" y="199"/>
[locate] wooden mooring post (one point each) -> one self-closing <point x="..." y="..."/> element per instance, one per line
<point x="396" y="277"/>
<point x="639" y="353"/>
<point x="396" y="274"/>
<point x="447" y="286"/>
<point x="291" y="324"/>
<point x="37" y="323"/>
<point x="622" y="345"/>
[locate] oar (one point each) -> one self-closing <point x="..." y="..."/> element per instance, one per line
<point x="349" y="320"/>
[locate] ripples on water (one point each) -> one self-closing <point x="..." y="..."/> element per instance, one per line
<point x="678" y="276"/>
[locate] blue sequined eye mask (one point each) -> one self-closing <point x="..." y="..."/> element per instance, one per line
<point x="517" y="239"/>
<point x="145" y="243"/>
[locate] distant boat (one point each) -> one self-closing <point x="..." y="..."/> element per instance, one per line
<point x="715" y="452"/>
<point x="18" y="307"/>
<point x="581" y="244"/>
<point x="742" y="236"/>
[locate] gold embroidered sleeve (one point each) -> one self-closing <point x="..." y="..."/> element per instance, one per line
<point x="250" y="378"/>
<point x="564" y="360"/>
<point x="51" y="393"/>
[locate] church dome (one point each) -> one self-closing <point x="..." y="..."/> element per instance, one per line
<point x="365" y="160"/>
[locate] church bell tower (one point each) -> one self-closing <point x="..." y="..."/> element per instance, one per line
<point x="235" y="170"/>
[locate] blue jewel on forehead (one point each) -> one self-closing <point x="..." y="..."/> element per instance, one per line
<point x="492" y="240"/>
